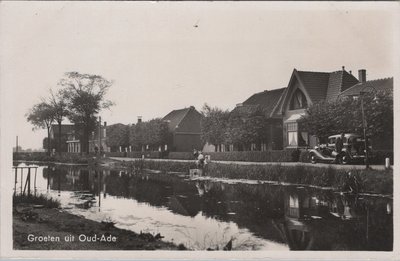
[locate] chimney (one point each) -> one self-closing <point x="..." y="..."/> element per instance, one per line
<point x="139" y="119"/>
<point x="105" y="124"/>
<point x="350" y="71"/>
<point x="342" y="68"/>
<point x="362" y="75"/>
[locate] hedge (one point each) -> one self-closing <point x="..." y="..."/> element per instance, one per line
<point x="377" y="157"/>
<point x="182" y="155"/>
<point x="65" y="157"/>
<point x="376" y="181"/>
<point x="251" y="156"/>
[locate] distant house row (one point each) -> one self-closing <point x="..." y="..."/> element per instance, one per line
<point x="184" y="124"/>
<point x="283" y="108"/>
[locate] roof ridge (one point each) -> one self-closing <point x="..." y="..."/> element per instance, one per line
<point x="314" y="72"/>
<point x="184" y="116"/>
<point x="380" y="79"/>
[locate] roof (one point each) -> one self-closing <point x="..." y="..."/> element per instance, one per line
<point x="247" y="110"/>
<point x="315" y="83"/>
<point x="175" y="117"/>
<point x="324" y="85"/>
<point x="320" y="86"/>
<point x="295" y="117"/>
<point x="262" y="102"/>
<point x="385" y="84"/>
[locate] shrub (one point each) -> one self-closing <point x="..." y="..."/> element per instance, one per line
<point x="375" y="181"/>
<point x="303" y="157"/>
<point x="379" y="156"/>
<point x="42" y="156"/>
<point x="181" y="155"/>
<point x="256" y="156"/>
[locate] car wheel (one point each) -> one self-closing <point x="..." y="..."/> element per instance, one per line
<point x="313" y="159"/>
<point x="344" y="160"/>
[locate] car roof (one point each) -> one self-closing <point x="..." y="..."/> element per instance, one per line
<point x="345" y="135"/>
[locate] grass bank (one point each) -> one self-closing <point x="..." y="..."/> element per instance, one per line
<point x="374" y="181"/>
<point x="44" y="157"/>
<point x="37" y="225"/>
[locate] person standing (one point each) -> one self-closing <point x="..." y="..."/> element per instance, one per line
<point x="339" y="143"/>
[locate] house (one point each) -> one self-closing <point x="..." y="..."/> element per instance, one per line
<point x="54" y="135"/>
<point x="184" y="125"/>
<point x="263" y="104"/>
<point x="304" y="89"/>
<point x="75" y="137"/>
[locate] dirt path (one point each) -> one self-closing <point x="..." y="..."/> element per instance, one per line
<point x="50" y="229"/>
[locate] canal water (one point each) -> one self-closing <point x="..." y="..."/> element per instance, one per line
<point x="206" y="213"/>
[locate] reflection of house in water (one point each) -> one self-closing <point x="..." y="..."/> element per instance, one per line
<point x="313" y="222"/>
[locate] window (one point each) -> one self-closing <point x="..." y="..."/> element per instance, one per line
<point x="293" y="126"/>
<point x="299" y="100"/>
<point x="292" y="133"/>
<point x="292" y="137"/>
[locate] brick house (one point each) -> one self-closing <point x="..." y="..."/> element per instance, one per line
<point x="263" y="104"/>
<point x="74" y="144"/>
<point x="54" y="132"/>
<point x="184" y="125"/>
<point x="304" y="89"/>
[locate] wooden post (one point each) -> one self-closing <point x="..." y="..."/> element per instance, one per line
<point x="29" y="181"/>
<point x="99" y="189"/>
<point x="59" y="183"/>
<point x="34" y="184"/>
<point x="22" y="176"/>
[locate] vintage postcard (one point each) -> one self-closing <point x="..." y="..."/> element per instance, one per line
<point x="199" y="130"/>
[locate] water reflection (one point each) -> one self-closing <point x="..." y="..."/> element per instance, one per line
<point x="207" y="214"/>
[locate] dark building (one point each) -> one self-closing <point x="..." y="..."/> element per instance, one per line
<point x="185" y="127"/>
<point x="66" y="130"/>
<point x="263" y="104"/>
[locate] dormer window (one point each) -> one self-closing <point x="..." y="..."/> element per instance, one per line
<point x="299" y="100"/>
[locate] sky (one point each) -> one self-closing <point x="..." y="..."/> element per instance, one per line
<point x="163" y="56"/>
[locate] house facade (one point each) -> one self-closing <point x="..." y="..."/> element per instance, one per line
<point x="263" y="104"/>
<point x="66" y="129"/>
<point x="184" y="125"/>
<point x="74" y="140"/>
<point x="304" y="89"/>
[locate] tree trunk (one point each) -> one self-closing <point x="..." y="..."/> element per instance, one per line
<point x="86" y="140"/>
<point x="48" y="141"/>
<point x="59" y="138"/>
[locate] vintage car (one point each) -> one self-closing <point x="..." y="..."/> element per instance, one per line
<point x="353" y="150"/>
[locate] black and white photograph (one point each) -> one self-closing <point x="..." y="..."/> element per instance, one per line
<point x="198" y="129"/>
